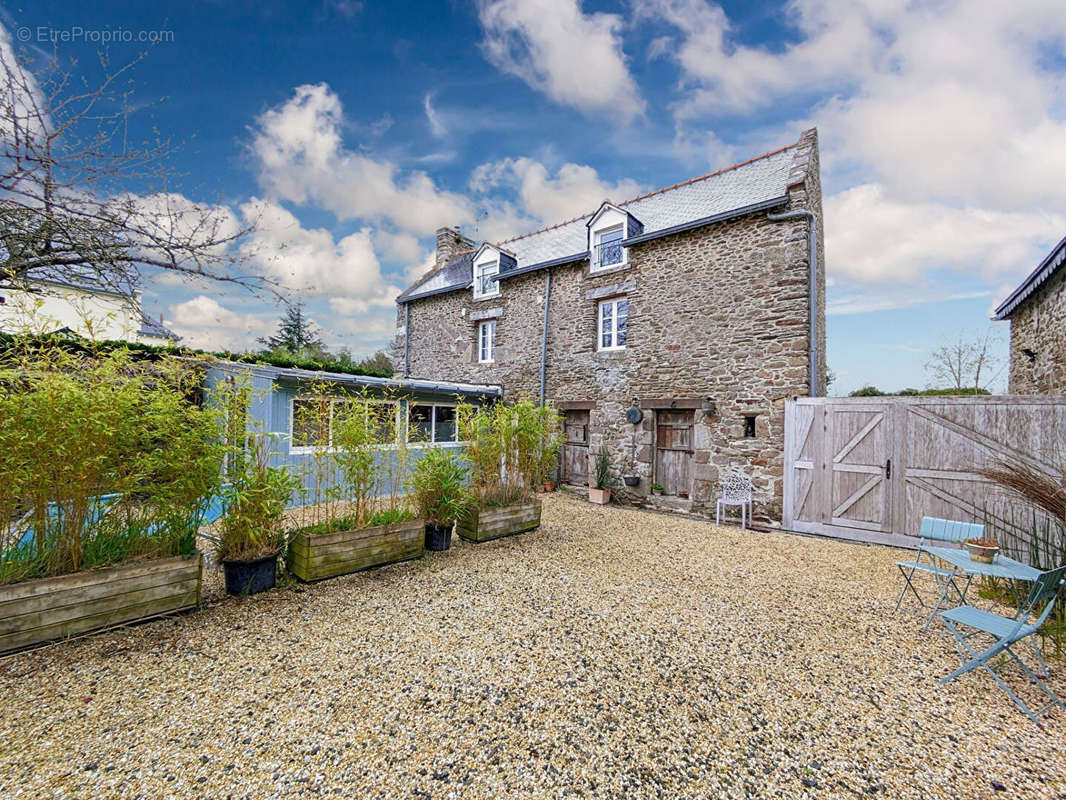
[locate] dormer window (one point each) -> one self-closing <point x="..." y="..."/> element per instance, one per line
<point x="486" y="283"/>
<point x="489" y="262"/>
<point x="608" y="251"/>
<point x="607" y="229"/>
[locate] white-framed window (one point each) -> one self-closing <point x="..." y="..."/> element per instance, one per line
<point x="607" y="248"/>
<point x="486" y="342"/>
<point x="312" y="419"/>
<point x="486" y="279"/>
<point x="430" y="423"/>
<point x="613" y="317"/>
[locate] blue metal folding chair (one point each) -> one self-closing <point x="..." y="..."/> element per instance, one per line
<point x="936" y="530"/>
<point x="1007" y="631"/>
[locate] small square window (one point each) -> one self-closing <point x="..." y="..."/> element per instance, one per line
<point x="749" y="427"/>
<point x="486" y="342"/>
<point x="613" y="321"/>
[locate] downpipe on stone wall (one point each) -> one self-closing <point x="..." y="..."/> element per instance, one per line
<point x="406" y="340"/>
<point x="544" y="338"/>
<point x="812" y="285"/>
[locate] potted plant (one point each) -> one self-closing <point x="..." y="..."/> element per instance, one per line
<point x="657" y="488"/>
<point x="983" y="550"/>
<point x="106" y="472"/>
<point x="250" y="531"/>
<point x="359" y="526"/>
<point x="511" y="449"/>
<point x="438" y="487"/>
<point x="600" y="492"/>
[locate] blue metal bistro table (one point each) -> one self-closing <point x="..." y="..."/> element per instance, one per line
<point x="960" y="561"/>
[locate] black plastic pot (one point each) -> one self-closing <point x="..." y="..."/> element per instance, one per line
<point x="631" y="480"/>
<point x="252" y="576"/>
<point x="438" y="537"/>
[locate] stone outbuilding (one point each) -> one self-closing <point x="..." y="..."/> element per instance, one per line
<point x="695" y="310"/>
<point x="1037" y="314"/>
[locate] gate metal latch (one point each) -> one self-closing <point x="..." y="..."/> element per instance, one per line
<point x="888" y="470"/>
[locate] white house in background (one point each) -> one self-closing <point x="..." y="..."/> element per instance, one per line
<point x="95" y="312"/>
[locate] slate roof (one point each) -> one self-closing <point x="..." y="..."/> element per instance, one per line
<point x="1055" y="261"/>
<point x="152" y="327"/>
<point x="760" y="182"/>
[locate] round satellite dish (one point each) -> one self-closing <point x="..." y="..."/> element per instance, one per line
<point x="634" y="415"/>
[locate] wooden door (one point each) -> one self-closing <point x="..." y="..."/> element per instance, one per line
<point x="575" y="461"/>
<point x="673" y="451"/>
<point x="860" y="449"/>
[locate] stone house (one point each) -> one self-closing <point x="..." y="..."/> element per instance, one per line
<point x="1037" y="314"/>
<point x="692" y="309"/>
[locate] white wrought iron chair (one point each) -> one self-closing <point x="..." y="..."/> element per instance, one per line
<point x="736" y="491"/>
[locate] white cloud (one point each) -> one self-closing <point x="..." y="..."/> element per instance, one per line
<point x="543" y="198"/>
<point x="871" y="237"/>
<point x="205" y="323"/>
<point x="302" y="158"/>
<point x="436" y="123"/>
<point x="400" y="247"/>
<point x="310" y="262"/>
<point x="573" y="57"/>
<point x="946" y="119"/>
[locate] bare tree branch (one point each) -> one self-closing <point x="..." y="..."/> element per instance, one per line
<point x="80" y="205"/>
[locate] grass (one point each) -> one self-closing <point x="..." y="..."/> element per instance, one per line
<point x="349" y="522"/>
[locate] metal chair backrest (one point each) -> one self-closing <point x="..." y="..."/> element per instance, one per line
<point x="1045" y="590"/>
<point x="948" y="530"/>
<point x="736" y="487"/>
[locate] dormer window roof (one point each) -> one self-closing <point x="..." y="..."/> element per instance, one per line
<point x="607" y="229"/>
<point x="489" y="261"/>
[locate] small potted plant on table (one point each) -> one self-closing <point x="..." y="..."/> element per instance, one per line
<point x="438" y="484"/>
<point x="983" y="550"/>
<point x="600" y="492"/>
<point x="250" y="534"/>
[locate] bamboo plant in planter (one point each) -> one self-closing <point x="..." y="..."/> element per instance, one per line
<point x="250" y="536"/>
<point x="600" y="492"/>
<point x="438" y="484"/>
<point x="373" y="532"/>
<point x="105" y="470"/>
<point x="512" y="450"/>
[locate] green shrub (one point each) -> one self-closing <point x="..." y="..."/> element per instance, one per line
<point x="254" y="504"/>
<point x="605" y="477"/>
<point x="438" y="485"/>
<point x="102" y="458"/>
<point x="511" y="449"/>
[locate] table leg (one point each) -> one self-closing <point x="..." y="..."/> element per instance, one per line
<point x="948" y="581"/>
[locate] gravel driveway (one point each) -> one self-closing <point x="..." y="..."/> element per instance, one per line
<point x="613" y="653"/>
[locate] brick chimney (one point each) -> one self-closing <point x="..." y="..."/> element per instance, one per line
<point x="450" y="242"/>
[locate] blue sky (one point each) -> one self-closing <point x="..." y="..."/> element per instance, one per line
<point x="351" y="130"/>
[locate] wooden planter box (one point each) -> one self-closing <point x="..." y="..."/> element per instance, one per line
<point x="40" y="610"/>
<point x="494" y="522"/>
<point x="326" y="555"/>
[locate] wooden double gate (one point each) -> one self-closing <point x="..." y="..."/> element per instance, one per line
<point x="871" y="468"/>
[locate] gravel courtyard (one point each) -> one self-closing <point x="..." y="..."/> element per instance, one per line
<point x="613" y="653"/>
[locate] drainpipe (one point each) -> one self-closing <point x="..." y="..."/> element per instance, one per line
<point x="407" y="340"/>
<point x="544" y="338"/>
<point x="812" y="285"/>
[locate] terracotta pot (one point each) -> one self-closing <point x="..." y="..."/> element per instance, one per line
<point x="600" y="496"/>
<point x="549" y="486"/>
<point x="981" y="553"/>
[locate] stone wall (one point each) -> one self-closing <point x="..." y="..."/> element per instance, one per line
<point x="718" y="312"/>
<point x="1039" y="326"/>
